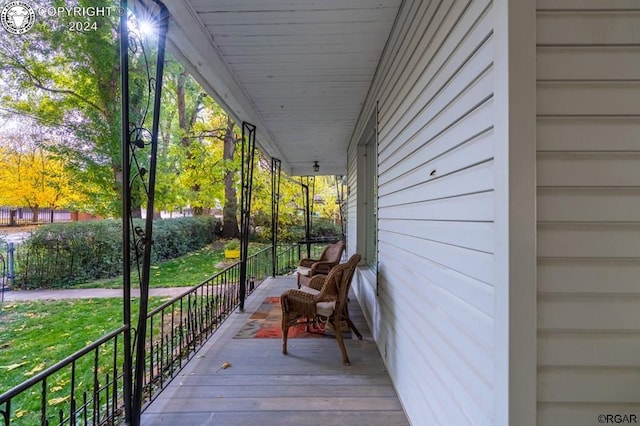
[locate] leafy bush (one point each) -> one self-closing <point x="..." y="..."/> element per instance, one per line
<point x="232" y="245"/>
<point x="293" y="231"/>
<point x="59" y="255"/>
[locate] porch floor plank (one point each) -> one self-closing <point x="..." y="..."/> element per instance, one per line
<point x="309" y="386"/>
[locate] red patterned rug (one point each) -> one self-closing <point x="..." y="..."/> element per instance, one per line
<point x="266" y="323"/>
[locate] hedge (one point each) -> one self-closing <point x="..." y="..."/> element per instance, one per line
<point x="63" y="254"/>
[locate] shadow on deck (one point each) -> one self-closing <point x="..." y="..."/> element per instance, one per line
<point x="310" y="386"/>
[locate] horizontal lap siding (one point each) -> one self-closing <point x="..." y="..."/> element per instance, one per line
<point x="434" y="90"/>
<point x="588" y="71"/>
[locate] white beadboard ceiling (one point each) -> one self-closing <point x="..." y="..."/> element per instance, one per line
<point x="297" y="69"/>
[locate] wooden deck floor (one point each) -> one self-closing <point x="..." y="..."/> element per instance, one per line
<point x="310" y="386"/>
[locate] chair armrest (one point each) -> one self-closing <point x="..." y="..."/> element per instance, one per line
<point x="298" y="301"/>
<point x="307" y="262"/>
<point x="317" y="281"/>
<point x="322" y="267"/>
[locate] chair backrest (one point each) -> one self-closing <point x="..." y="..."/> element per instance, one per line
<point x="345" y="283"/>
<point x="338" y="282"/>
<point x="333" y="252"/>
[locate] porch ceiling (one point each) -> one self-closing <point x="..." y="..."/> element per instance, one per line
<point x="297" y="69"/>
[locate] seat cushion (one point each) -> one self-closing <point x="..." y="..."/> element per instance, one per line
<point x="309" y="290"/>
<point x="303" y="270"/>
<point x="322" y="308"/>
<point x="325" y="308"/>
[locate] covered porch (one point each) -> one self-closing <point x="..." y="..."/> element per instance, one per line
<point x="309" y="386"/>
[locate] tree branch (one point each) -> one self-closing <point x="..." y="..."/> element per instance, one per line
<point x="40" y="85"/>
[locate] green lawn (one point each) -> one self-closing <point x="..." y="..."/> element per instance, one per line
<point x="185" y="271"/>
<point x="35" y="335"/>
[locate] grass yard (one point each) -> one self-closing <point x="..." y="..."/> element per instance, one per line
<point x="185" y="271"/>
<point x="35" y="335"/>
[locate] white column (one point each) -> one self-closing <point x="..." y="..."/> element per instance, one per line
<point x="515" y="212"/>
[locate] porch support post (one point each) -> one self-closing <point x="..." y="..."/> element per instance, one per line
<point x="311" y="202"/>
<point x="276" y="166"/>
<point x="307" y="217"/>
<point x="146" y="239"/>
<point x="341" y="203"/>
<point x="126" y="209"/>
<point x="247" y="154"/>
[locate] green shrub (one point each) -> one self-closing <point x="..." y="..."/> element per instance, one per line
<point x="292" y="231"/>
<point x="232" y="245"/>
<point x="59" y="255"/>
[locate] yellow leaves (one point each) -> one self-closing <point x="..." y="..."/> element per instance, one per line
<point x="56" y="401"/>
<point x="224" y="366"/>
<point x="32" y="177"/>
<point x="38" y="368"/>
<point x="13" y="366"/>
<point x="21" y="413"/>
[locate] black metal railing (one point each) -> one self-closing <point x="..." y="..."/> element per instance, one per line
<point x="176" y="330"/>
<point x="26" y="216"/>
<point x="91" y="393"/>
<point x="179" y="327"/>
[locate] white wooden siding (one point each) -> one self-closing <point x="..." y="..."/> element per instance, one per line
<point x="588" y="70"/>
<point x="434" y="315"/>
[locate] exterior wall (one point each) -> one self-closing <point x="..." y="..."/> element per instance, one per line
<point x="588" y="210"/>
<point x="434" y="315"/>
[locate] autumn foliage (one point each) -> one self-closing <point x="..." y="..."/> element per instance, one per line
<point x="31" y="176"/>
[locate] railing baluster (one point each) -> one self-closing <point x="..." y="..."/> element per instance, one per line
<point x="6" y="413"/>
<point x="72" y="415"/>
<point x="84" y="408"/>
<point x="96" y="387"/>
<point x="195" y="315"/>
<point x="43" y="402"/>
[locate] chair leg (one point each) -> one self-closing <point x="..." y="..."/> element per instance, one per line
<point x="353" y="327"/>
<point x="285" y="322"/>
<point x="351" y="324"/>
<point x="343" y="349"/>
<point x="285" y="333"/>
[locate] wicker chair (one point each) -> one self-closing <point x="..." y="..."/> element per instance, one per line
<point x="329" y="258"/>
<point x="324" y="301"/>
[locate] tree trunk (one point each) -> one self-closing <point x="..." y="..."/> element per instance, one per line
<point x="34" y="214"/>
<point x="230" y="210"/>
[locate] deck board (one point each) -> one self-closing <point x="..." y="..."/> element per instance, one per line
<point x="309" y="386"/>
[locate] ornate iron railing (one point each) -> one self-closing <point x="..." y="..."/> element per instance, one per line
<point x="176" y="330"/>
<point x="97" y="403"/>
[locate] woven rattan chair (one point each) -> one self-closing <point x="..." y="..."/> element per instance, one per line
<point x="329" y="258"/>
<point x="324" y="301"/>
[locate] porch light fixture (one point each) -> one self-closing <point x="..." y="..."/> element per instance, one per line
<point x="316" y="166"/>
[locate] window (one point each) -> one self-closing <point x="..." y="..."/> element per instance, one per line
<point x="368" y="194"/>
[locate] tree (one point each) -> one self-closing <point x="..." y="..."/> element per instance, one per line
<point x="70" y="80"/>
<point x="189" y="97"/>
<point x="33" y="177"/>
<point x="230" y="212"/>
